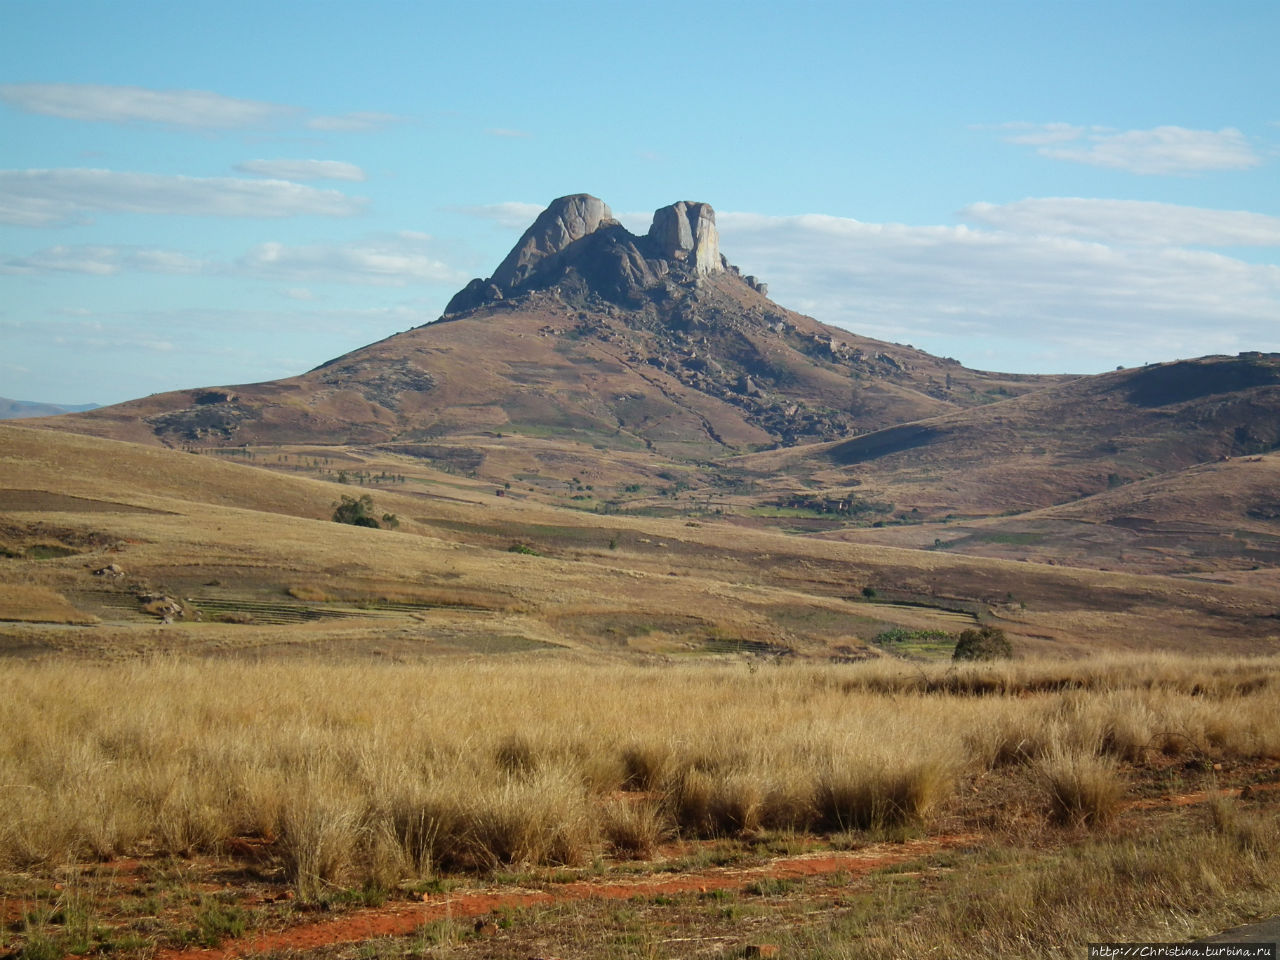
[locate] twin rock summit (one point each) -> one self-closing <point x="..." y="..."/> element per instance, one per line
<point x="579" y="235"/>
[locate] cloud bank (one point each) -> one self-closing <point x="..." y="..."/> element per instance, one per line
<point x="1166" y="150"/>
<point x="1034" y="286"/>
<point x="55" y="197"/>
<point x="195" y="109"/>
<point x="385" y="260"/>
<point x="395" y="260"/>
<point x="1130" y="222"/>
<point x="303" y="169"/>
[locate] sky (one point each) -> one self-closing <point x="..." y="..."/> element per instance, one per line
<point x="208" y="193"/>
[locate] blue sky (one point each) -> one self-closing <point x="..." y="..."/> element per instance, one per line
<point x="204" y="193"/>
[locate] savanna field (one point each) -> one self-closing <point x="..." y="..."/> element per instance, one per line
<point x="537" y="806"/>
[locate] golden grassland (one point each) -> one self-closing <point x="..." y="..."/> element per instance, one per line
<point x="364" y="751"/>
<point x="197" y="526"/>
<point x="353" y="776"/>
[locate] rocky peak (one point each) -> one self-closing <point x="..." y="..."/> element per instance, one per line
<point x="576" y="244"/>
<point x="564" y="221"/>
<point x="687" y="231"/>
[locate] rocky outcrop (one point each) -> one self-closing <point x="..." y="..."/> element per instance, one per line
<point x="687" y="232"/>
<point x="577" y="246"/>
<point x="564" y="221"/>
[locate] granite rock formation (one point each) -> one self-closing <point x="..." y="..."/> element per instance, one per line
<point x="687" y="232"/>
<point x="577" y="244"/>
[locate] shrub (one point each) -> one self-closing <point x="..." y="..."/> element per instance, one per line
<point x="988" y="643"/>
<point x="356" y="511"/>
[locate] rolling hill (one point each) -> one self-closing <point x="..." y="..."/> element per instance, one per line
<point x="248" y="562"/>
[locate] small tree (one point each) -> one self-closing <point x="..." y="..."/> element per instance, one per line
<point x="356" y="511"/>
<point x="987" y="643"/>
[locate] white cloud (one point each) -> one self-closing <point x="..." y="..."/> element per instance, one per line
<point x="51" y="197"/>
<point x="387" y="260"/>
<point x="953" y="290"/>
<point x="393" y="260"/>
<point x="102" y="260"/>
<point x="302" y="169"/>
<point x="1166" y="150"/>
<point x="1040" y="134"/>
<point x="510" y="214"/>
<point x="181" y="108"/>
<point x="1129" y="222"/>
<point x="356" y="122"/>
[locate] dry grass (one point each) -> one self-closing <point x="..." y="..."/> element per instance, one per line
<point x="374" y="774"/>
<point x="200" y="520"/>
<point x="32" y="603"/>
<point x="1082" y="789"/>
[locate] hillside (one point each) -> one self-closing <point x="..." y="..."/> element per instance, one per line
<point x="1063" y="443"/>
<point x="644" y="375"/>
<point x="256" y="566"/>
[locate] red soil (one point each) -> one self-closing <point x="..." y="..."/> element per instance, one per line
<point x="1189" y="799"/>
<point x="404" y="918"/>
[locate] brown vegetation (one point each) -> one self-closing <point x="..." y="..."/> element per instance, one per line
<point x="378" y="778"/>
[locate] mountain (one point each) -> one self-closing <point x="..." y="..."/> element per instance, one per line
<point x="587" y="331"/>
<point x="650" y="365"/>
<point x="623" y="409"/>
<point x="24" y="409"/>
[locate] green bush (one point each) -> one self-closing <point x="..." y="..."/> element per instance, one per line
<point x="987" y="643"/>
<point x="356" y="511"/>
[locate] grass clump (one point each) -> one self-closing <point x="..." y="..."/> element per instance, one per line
<point x="633" y="827"/>
<point x="1082" y="789"/>
<point x="880" y="795"/>
<point x="475" y="767"/>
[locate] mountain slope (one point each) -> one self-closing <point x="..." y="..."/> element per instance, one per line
<point x="1065" y="442"/>
<point x="274" y="575"/>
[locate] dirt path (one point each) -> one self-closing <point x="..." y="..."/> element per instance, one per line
<point x="1189" y="799"/>
<point x="404" y="918"/>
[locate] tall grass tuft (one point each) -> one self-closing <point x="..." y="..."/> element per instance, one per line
<point x="876" y="795"/>
<point x="633" y="828"/>
<point x="318" y="840"/>
<point x="107" y="759"/>
<point x="1082" y="789"/>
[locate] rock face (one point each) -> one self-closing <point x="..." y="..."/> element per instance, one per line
<point x="687" y="231"/>
<point x="564" y="221"/>
<point x="577" y="245"/>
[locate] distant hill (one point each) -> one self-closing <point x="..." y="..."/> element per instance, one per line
<point x="24" y="409"/>
<point x="1064" y="442"/>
